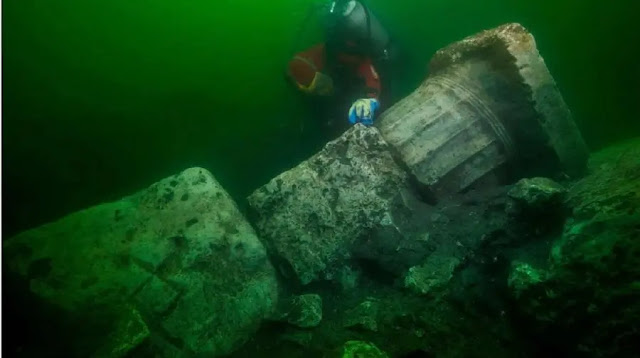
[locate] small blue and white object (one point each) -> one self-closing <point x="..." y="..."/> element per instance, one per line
<point x="363" y="111"/>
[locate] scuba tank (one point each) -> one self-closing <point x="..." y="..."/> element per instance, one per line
<point x="351" y="21"/>
<point x="348" y="21"/>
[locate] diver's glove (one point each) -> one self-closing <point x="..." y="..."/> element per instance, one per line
<point x="363" y="111"/>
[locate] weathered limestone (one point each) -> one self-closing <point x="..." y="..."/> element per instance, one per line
<point x="432" y="275"/>
<point x="175" y="264"/>
<point x="305" y="311"/>
<point x="311" y="215"/>
<point x="489" y="104"/>
<point x="536" y="196"/>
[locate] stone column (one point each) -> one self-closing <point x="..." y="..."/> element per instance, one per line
<point x="489" y="108"/>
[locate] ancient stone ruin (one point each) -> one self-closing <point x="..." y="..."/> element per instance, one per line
<point x="455" y="221"/>
<point x="175" y="266"/>
<point x="489" y="108"/>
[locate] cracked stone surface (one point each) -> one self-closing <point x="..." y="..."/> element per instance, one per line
<point x="179" y="253"/>
<point x="351" y="193"/>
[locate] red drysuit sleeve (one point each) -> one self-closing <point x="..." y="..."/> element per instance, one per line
<point x="304" y="65"/>
<point x="372" y="81"/>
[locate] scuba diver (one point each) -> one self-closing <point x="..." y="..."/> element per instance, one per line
<point x="346" y="76"/>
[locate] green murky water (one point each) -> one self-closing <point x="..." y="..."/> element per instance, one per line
<point x="103" y="98"/>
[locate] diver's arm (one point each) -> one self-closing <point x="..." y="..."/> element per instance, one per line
<point x="368" y="73"/>
<point x="305" y="70"/>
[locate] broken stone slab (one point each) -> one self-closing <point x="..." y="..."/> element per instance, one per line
<point x="352" y="190"/>
<point x="179" y="253"/>
<point x="489" y="110"/>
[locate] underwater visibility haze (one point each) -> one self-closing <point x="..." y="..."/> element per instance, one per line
<point x="168" y="191"/>
<point x="102" y="98"/>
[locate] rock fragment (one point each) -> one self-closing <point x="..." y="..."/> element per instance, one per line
<point x="536" y="196"/>
<point x="305" y="311"/>
<point x="435" y="273"/>
<point x="594" y="268"/>
<point x="363" y="316"/>
<point x="351" y="191"/>
<point x="192" y="269"/>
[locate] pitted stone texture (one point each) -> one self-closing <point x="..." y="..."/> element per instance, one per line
<point x="434" y="274"/>
<point x="130" y="332"/>
<point x="523" y="276"/>
<point x="305" y="311"/>
<point x="613" y="184"/>
<point x="363" y="316"/>
<point x="489" y="103"/>
<point x="179" y="253"/>
<point x="310" y="215"/>
<point x="536" y="195"/>
<point x="591" y="276"/>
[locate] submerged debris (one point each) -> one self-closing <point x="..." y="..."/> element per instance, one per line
<point x="420" y="247"/>
<point x="588" y="300"/>
<point x="148" y="280"/>
<point x="489" y="104"/>
<point x="355" y="349"/>
<point x="305" y="311"/>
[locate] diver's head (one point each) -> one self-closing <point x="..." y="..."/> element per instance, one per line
<point x="337" y="27"/>
<point x="351" y="27"/>
<point x="339" y="6"/>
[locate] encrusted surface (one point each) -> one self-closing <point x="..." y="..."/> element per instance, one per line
<point x="310" y="215"/>
<point x="179" y="252"/>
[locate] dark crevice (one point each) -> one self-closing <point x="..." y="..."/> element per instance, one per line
<point x="375" y="272"/>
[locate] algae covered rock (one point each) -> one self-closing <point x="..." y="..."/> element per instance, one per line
<point x="434" y="274"/>
<point x="305" y="311"/>
<point x="360" y="349"/>
<point x="364" y="315"/>
<point x="612" y="186"/>
<point x="128" y="334"/>
<point x="588" y="301"/>
<point x="173" y="268"/>
<point x="311" y="215"/>
<point x="524" y="276"/>
<point x="535" y="196"/>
